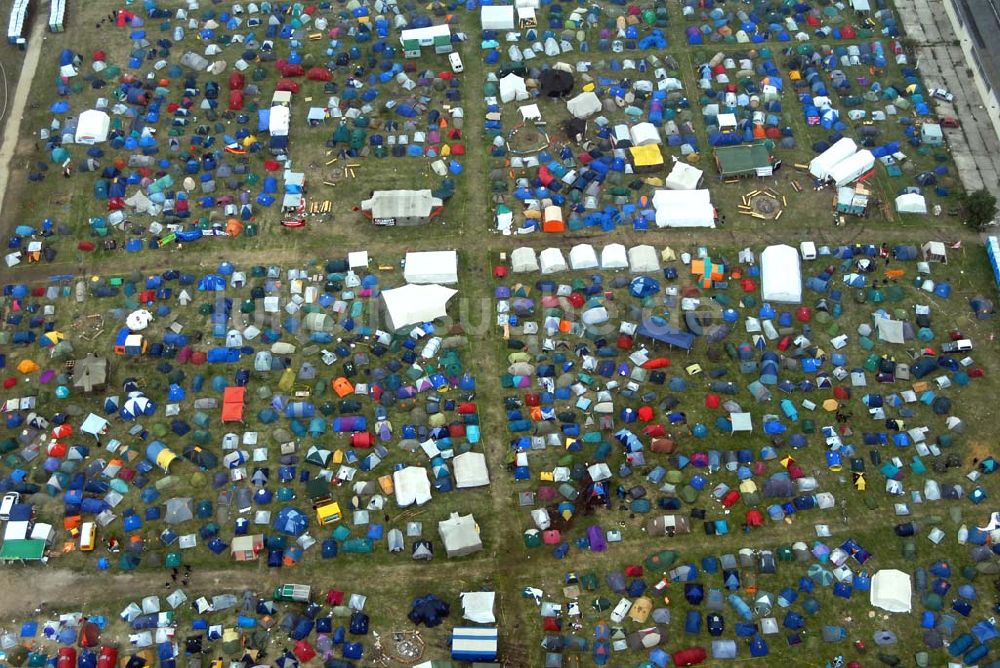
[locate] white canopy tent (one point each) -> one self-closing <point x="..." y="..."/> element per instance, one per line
<point x="683" y="208"/>
<point x="643" y="134"/>
<point x="512" y="88"/>
<point x="911" y="203"/>
<point x="497" y="17"/>
<point x="643" y="259"/>
<point x="278" y="120"/>
<point x="414" y="304"/>
<point x="431" y="267"/>
<point x="852" y="168"/>
<point x="613" y="256"/>
<point x="92" y="127"/>
<point x="470" y="470"/>
<point x="523" y="260"/>
<point x="477" y="606"/>
<point x="552" y="261"/>
<point x="411" y="486"/>
<point x="821" y="165"/>
<point x="892" y="591"/>
<point x="582" y="256"/>
<point x="584" y="105"/>
<point x="781" y="275"/>
<point x="460" y="535"/>
<point x="683" y="177"/>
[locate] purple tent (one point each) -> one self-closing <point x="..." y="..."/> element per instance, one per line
<point x="595" y="535"/>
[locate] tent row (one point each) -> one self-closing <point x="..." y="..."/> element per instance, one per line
<point x="638" y="259"/>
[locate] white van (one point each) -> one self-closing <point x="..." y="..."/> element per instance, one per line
<point x="456" y="62"/>
<point x="618" y="614"/>
<point x="808" y="250"/>
<point x="9" y="499"/>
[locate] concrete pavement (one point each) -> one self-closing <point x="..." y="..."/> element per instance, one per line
<point x="941" y="61"/>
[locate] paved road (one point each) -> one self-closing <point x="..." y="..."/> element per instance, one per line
<point x="22" y="88"/>
<point x="974" y="146"/>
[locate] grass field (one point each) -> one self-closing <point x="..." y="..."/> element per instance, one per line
<point x="466" y="225"/>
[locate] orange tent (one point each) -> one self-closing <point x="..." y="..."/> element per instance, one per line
<point x="342" y="387"/>
<point x="233" y="403"/>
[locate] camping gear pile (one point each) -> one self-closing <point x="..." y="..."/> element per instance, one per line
<point x="606" y="415"/>
<point x="278" y="388"/>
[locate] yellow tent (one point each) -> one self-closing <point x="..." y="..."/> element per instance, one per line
<point x="165" y="458"/>
<point x="647" y="157"/>
<point x="27" y="366"/>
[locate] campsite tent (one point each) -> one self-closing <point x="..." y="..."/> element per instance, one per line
<point x="470" y="470"/>
<point x="821" y="165"/>
<point x="401" y="207"/>
<point x="852" y="168"/>
<point x="411" y="486"/>
<point x="431" y="267"/>
<point x="460" y="535"/>
<point x="643" y="134"/>
<point x="613" y="256"/>
<point x="911" y="203"/>
<point x="512" y="88"/>
<point x="582" y="256"/>
<point x="683" y="177"/>
<point x="683" y="208"/>
<point x="552" y="261"/>
<point x="413" y="304"/>
<point x="781" y="275"/>
<point x="497" y="17"/>
<point x="555" y="82"/>
<point x="233" y="403"/>
<point x="523" y="260"/>
<point x="643" y="259"/>
<point x="584" y="105"/>
<point x="92" y="127"/>
<point x="891" y="590"/>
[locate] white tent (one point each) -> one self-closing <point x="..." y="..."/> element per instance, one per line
<point x="821" y="165"/>
<point x="780" y="275"/>
<point x="412" y="486"/>
<point x="92" y="127"/>
<point x="460" y="535"/>
<point x="278" y="120"/>
<point x="911" y="203"/>
<point x="431" y="267"/>
<point x="890" y="330"/>
<point x="477" y="606"/>
<point x="512" y="87"/>
<point x="584" y="105"/>
<point x="523" y="260"/>
<point x="138" y="320"/>
<point x="470" y="470"/>
<point x="852" y="168"/>
<point x="530" y="112"/>
<point x="643" y="259"/>
<point x="497" y="17"/>
<point x="683" y="177"/>
<point x="582" y="256"/>
<point x="552" y="261"/>
<point x="613" y="256"/>
<point x="891" y="590"/>
<point x="683" y="208"/>
<point x="643" y="134"/>
<point x="413" y="304"/>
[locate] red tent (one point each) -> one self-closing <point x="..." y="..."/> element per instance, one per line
<point x="690" y="656"/>
<point x="233" y="403"/>
<point x="645" y="413"/>
<point x="755" y="518"/>
<point x="235" y="100"/>
<point x="236" y="81"/>
<point x="318" y="74"/>
<point x="304" y="651"/>
<point x="712" y="401"/>
<point x="287" y="85"/>
<point x="289" y="70"/>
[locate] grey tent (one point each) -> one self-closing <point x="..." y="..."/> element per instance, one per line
<point x="779" y="487"/>
<point x="724" y="649"/>
<point x="667" y="525"/>
<point x="422" y="551"/>
<point x="395" y="540"/>
<point x="179" y="510"/>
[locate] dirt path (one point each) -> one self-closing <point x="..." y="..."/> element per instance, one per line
<point x="15" y="113"/>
